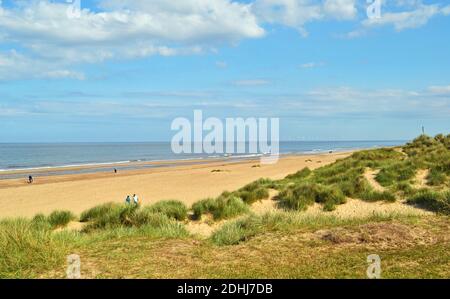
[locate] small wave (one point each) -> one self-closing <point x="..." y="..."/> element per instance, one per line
<point x="62" y="166"/>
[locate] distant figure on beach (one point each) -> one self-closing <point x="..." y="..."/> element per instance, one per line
<point x="128" y="200"/>
<point x="30" y="179"/>
<point x="136" y="199"/>
<point x="115" y="170"/>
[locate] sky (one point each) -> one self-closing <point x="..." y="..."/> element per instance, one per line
<point x="124" y="70"/>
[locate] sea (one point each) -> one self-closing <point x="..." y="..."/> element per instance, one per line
<point x="35" y="158"/>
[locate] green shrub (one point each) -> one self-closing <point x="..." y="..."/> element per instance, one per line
<point x="299" y="175"/>
<point x="405" y="188"/>
<point x="254" y="191"/>
<point x="40" y="221"/>
<point x="297" y="197"/>
<point x="432" y="200"/>
<point x="235" y="232"/>
<point x="222" y="207"/>
<point x="300" y="197"/>
<point x="99" y="211"/>
<point x="171" y="208"/>
<point x="203" y="206"/>
<point x="229" y="208"/>
<point x="113" y="217"/>
<point x="436" y="177"/>
<point x="378" y="196"/>
<point x="60" y="218"/>
<point x="27" y="249"/>
<point x="396" y="172"/>
<point x="354" y="187"/>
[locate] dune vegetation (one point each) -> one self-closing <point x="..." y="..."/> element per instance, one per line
<point x="154" y="241"/>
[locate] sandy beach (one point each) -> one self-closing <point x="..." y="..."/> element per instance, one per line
<point x="187" y="183"/>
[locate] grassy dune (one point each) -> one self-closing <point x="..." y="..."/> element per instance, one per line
<point x="131" y="241"/>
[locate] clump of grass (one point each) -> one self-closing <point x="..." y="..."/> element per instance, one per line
<point x="171" y="208"/>
<point x="405" y="188"/>
<point x="372" y="195"/>
<point x="99" y="211"/>
<point x="126" y="216"/>
<point x="297" y="197"/>
<point x="436" y="177"/>
<point x="254" y="191"/>
<point x="300" y="197"/>
<point x="224" y="207"/>
<point x="60" y="218"/>
<point x="396" y="172"/>
<point x="354" y="187"/>
<point x="299" y="175"/>
<point x="40" y="221"/>
<point x="27" y="249"/>
<point x="376" y="155"/>
<point x="55" y="220"/>
<point x="235" y="232"/>
<point x="431" y="200"/>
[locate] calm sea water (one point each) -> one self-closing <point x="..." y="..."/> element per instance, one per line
<point x="14" y="156"/>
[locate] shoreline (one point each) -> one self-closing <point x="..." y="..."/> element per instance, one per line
<point x="107" y="167"/>
<point x="186" y="182"/>
<point x="91" y="168"/>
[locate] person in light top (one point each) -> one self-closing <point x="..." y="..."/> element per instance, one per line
<point x="135" y="199"/>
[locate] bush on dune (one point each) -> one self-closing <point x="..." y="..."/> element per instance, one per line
<point x="60" y="218"/>
<point x="300" y="175"/>
<point x="436" y="177"/>
<point x="224" y="207"/>
<point x="171" y="208"/>
<point x="235" y="232"/>
<point x="126" y="216"/>
<point x="99" y="211"/>
<point x="372" y="195"/>
<point x="354" y="187"/>
<point x="396" y="172"/>
<point x="30" y="247"/>
<point x="255" y="191"/>
<point x="434" y="201"/>
<point x="300" y="197"/>
<point x="56" y="219"/>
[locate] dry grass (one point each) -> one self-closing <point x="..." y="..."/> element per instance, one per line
<point x="407" y="249"/>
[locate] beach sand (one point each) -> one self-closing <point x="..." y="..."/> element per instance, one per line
<point x="188" y="183"/>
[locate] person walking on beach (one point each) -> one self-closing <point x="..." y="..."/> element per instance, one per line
<point x="115" y="170"/>
<point x="128" y="200"/>
<point x="30" y="179"/>
<point x="136" y="199"/>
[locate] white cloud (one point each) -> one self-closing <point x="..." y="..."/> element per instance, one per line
<point x="296" y="13"/>
<point x="14" y="65"/>
<point x="406" y="19"/>
<point x="340" y="9"/>
<point x="41" y="38"/>
<point x="123" y="29"/>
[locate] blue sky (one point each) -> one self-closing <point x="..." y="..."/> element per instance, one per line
<point x="123" y="70"/>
